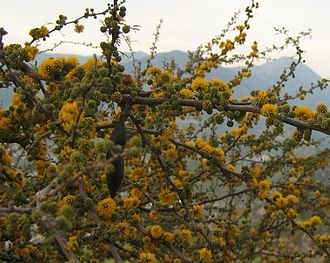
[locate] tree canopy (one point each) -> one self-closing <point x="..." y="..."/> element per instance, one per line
<point x="162" y="164"/>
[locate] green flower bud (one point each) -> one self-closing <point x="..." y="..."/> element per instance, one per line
<point x="117" y="97"/>
<point x="126" y="29"/>
<point x="322" y="108"/>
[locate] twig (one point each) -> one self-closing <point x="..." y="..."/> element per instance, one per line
<point x="223" y="197"/>
<point x="301" y="229"/>
<point x="15" y="209"/>
<point x="49" y="224"/>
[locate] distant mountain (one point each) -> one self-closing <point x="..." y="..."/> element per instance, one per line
<point x="43" y="56"/>
<point x="263" y="76"/>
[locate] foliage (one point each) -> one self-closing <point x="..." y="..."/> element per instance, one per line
<point x="201" y="183"/>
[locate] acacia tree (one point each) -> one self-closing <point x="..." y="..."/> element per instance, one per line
<point x="195" y="192"/>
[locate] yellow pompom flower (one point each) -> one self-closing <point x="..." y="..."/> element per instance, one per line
<point x="106" y="207"/>
<point x="78" y="28"/>
<point x="223" y="86"/>
<point x="156" y="231"/>
<point x="256" y="171"/>
<point x="137" y="173"/>
<point x="167" y="197"/>
<point x="185" y="234"/>
<point x="269" y="110"/>
<point x="7" y="159"/>
<point x="304" y="113"/>
<point x="154" y="71"/>
<point x="169" y="237"/>
<point x="276" y="195"/>
<point x="281" y="202"/>
<point x="292" y="199"/>
<point x="171" y="153"/>
<point x="186" y="93"/>
<point x="199" y="83"/>
<point x="148" y="258"/>
<point x="90" y="64"/>
<point x="292" y="212"/>
<point x="205" y="255"/>
<point x="198" y="211"/>
<point x="227" y="46"/>
<point x="315" y="220"/>
<point x="68" y="114"/>
<point x="130" y="202"/>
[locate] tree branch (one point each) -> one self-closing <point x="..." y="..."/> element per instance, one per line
<point x="230" y="107"/>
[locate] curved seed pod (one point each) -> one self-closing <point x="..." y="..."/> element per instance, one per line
<point x="114" y="179"/>
<point x="119" y="133"/>
<point x="31" y="72"/>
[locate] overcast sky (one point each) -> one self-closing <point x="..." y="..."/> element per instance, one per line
<point x="187" y="23"/>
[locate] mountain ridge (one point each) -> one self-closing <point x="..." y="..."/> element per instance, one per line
<point x="263" y="75"/>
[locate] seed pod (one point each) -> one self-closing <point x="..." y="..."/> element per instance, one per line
<point x="114" y="178"/>
<point x="31" y="72"/>
<point x="119" y="133"/>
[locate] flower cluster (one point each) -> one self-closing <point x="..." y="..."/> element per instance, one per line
<point x="263" y="189"/>
<point x="68" y="114"/>
<point x="38" y="33"/>
<point x="311" y="222"/>
<point x="148" y="258"/>
<point x="227" y="46"/>
<point x="5" y="121"/>
<point x="5" y="159"/>
<point x="20" y="109"/>
<point x="281" y="201"/>
<point x="31" y="51"/>
<point x="205" y="147"/>
<point x="205" y="66"/>
<point x="57" y="68"/>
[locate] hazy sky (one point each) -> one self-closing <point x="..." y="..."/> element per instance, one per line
<point x="187" y="23"/>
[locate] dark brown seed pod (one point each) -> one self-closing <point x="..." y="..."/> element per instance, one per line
<point x="114" y="179"/>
